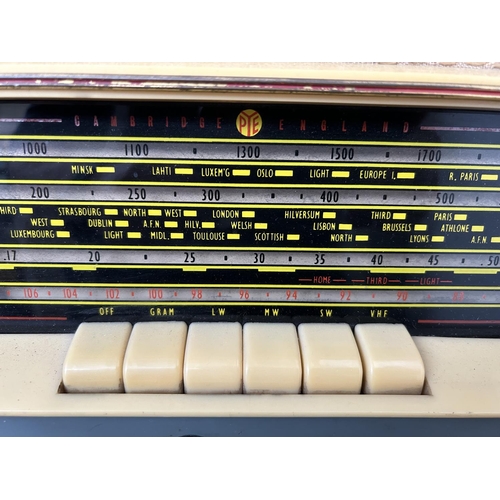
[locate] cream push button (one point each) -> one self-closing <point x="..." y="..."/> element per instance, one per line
<point x="391" y="361"/>
<point x="154" y="357"/>
<point x="213" y="358"/>
<point x="94" y="362"/>
<point x="330" y="359"/>
<point x="271" y="359"/>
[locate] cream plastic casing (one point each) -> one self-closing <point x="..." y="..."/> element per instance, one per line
<point x="462" y="380"/>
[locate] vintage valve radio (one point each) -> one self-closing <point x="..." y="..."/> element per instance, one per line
<point x="249" y="241"/>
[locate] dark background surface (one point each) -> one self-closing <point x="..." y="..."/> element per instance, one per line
<point x="234" y="427"/>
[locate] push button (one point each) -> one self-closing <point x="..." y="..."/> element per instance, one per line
<point x="391" y="361"/>
<point x="154" y="357"/>
<point x="213" y="358"/>
<point x="330" y="359"/>
<point x="271" y="359"/>
<point x="94" y="362"/>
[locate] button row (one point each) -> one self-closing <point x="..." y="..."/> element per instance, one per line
<point x="258" y="358"/>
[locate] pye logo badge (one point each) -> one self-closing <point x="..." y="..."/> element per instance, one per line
<point x="249" y="123"/>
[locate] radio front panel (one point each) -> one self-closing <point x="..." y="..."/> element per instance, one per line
<point x="136" y="211"/>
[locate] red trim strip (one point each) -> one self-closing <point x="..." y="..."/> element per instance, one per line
<point x="34" y="318"/>
<point x="461" y="322"/>
<point x="251" y="85"/>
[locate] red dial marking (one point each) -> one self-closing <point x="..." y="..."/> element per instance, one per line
<point x="175" y="294"/>
<point x="132" y="293"/>
<point x="8" y="292"/>
<point x="48" y="293"/>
